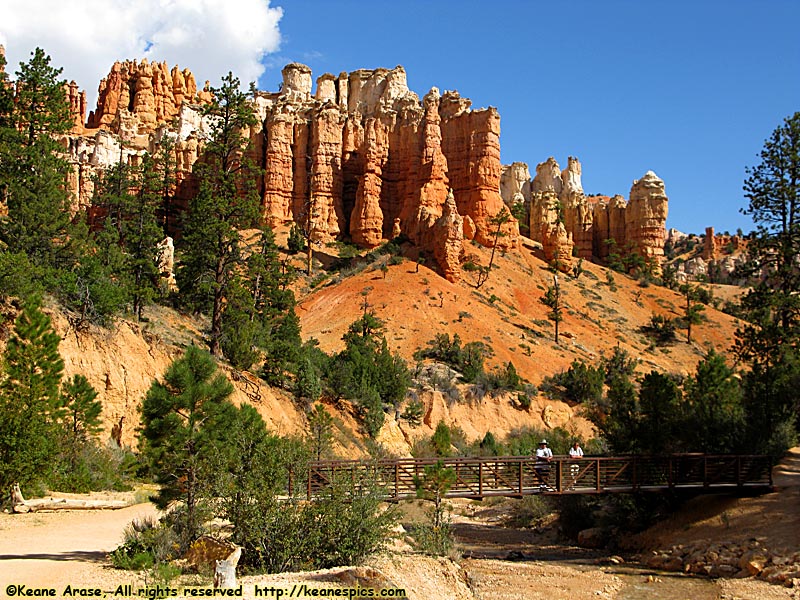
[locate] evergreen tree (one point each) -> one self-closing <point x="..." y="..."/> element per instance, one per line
<point x="241" y="333"/>
<point x="185" y="420"/>
<point x="82" y="410"/>
<point x="367" y="372"/>
<point x="441" y="439"/>
<point x="282" y="348"/>
<point x="769" y="340"/>
<point x="489" y="445"/>
<point x="227" y="201"/>
<point x="619" y="363"/>
<point x="773" y="191"/>
<point x="435" y="537"/>
<point x="308" y="383"/>
<point x="141" y="234"/>
<point x="692" y="310"/>
<point x="617" y="417"/>
<point x="582" y="383"/>
<point x="260" y="314"/>
<point x="165" y="169"/>
<point x="80" y="418"/>
<point x="89" y="283"/>
<point x="320" y="431"/>
<point x="32" y="173"/>
<point x="497" y="221"/>
<point x="30" y="405"/>
<point x="714" y="407"/>
<point x="660" y="422"/>
<point x="771" y="404"/>
<point x="552" y="300"/>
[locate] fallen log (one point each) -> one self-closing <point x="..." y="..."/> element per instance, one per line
<point x="20" y="505"/>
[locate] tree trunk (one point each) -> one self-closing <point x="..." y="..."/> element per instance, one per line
<point x="215" y="346"/>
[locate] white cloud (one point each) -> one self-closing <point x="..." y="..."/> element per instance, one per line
<point x="85" y="37"/>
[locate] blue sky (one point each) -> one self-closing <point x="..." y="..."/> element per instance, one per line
<point x="689" y="89"/>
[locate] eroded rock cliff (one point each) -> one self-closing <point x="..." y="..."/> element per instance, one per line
<point x="592" y="226"/>
<point x="361" y="156"/>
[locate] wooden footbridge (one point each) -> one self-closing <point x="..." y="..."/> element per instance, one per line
<point x="515" y="476"/>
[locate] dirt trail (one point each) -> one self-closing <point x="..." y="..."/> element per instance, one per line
<point x="61" y="548"/>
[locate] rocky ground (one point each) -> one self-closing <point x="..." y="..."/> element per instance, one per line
<point x="497" y="561"/>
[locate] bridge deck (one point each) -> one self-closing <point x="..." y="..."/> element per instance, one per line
<point x="484" y="476"/>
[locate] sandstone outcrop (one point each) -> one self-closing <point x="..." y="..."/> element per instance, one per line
<point x="609" y="225"/>
<point x="546" y="216"/>
<point x="515" y="187"/>
<point x="715" y="247"/>
<point x="361" y="156"/>
<point x="448" y="239"/>
<point x="595" y="224"/>
<point x="149" y="93"/>
<point x="578" y="214"/>
<point x="645" y="217"/>
<point x="557" y="245"/>
<point x="77" y="105"/>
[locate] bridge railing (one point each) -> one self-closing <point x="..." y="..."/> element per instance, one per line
<point x="483" y="476"/>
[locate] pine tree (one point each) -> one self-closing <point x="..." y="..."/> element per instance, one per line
<point x="32" y="173"/>
<point x="497" y="221"/>
<point x="440" y="440"/>
<point x="773" y="191"/>
<point x="693" y="309"/>
<point x="552" y="300"/>
<point x="660" y="421"/>
<point x="769" y="339"/>
<point x="185" y="419"/>
<point x="714" y="407"/>
<point x="617" y="416"/>
<point x="133" y="196"/>
<point x="165" y="168"/>
<point x="260" y="313"/>
<point x="80" y="418"/>
<point x="30" y="404"/>
<point x="227" y="201"/>
<point x="320" y="431"/>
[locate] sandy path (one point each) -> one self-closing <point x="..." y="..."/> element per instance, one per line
<point x="57" y="549"/>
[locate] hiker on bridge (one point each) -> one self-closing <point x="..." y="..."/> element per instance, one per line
<point x="575" y="452"/>
<point x="543" y="457"/>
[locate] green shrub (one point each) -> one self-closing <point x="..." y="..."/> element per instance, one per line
<point x="661" y="329"/>
<point x="431" y="540"/>
<point x="413" y="412"/>
<point x="580" y="383"/>
<point x="296" y="241"/>
<point x="341" y="527"/>
<point x="529" y="511"/>
<point x="146" y="542"/>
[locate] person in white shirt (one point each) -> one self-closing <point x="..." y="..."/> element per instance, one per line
<point x="576" y="452"/>
<point x="543" y="457"/>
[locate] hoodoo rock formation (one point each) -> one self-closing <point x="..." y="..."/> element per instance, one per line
<point x="646" y="216"/>
<point x="362" y="156"/>
<point x="149" y="92"/>
<point x="591" y="225"/>
<point x="717" y="246"/>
